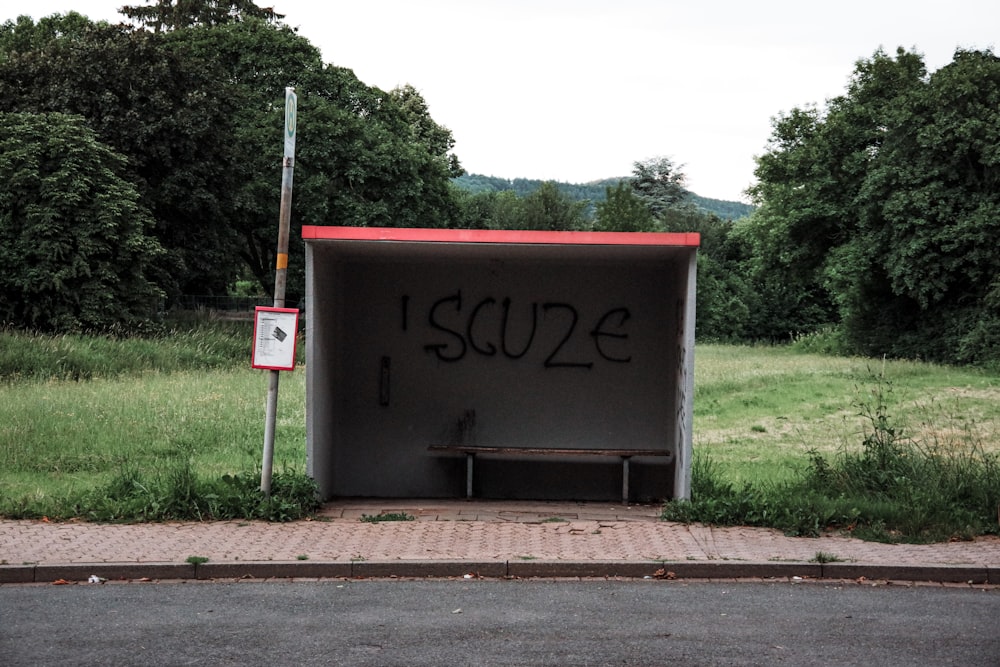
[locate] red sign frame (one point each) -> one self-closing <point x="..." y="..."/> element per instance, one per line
<point x="275" y="336"/>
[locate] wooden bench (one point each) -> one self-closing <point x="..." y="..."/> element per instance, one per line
<point x="471" y="451"/>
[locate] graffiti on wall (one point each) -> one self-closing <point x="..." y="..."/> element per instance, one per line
<point x="489" y="327"/>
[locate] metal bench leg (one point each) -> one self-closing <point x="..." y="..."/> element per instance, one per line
<point x="625" y="480"/>
<point x="469" y="458"/>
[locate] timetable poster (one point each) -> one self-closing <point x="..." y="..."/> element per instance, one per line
<point x="274" y="338"/>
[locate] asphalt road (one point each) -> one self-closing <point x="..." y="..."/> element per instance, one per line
<point x="497" y="622"/>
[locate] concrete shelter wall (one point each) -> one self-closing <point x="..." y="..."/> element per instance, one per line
<point x="413" y="344"/>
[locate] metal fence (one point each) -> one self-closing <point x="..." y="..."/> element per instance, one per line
<point x="221" y="303"/>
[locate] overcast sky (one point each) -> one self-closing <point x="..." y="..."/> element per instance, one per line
<point x="578" y="90"/>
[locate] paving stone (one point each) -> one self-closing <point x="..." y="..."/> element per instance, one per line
<point x="449" y="533"/>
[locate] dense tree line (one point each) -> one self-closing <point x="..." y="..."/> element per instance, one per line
<point x="142" y="162"/>
<point x="189" y="112"/>
<point x="880" y="212"/>
<point x="642" y="202"/>
<point x="592" y="192"/>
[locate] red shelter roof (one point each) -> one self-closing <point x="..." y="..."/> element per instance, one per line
<point x="315" y="232"/>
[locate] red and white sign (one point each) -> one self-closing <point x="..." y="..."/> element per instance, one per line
<point x="274" y="338"/>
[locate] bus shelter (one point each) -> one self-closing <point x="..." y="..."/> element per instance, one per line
<point x="499" y="364"/>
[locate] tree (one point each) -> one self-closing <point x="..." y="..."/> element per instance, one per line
<point x="163" y="112"/>
<point x="438" y="139"/>
<point x="364" y="157"/>
<point x="660" y="184"/>
<point x="74" y="239"/>
<point x="174" y="14"/>
<point x="809" y="181"/>
<point x="930" y="217"/>
<point x="488" y="209"/>
<point x="548" y="209"/>
<point x="24" y="35"/>
<point x="197" y="111"/>
<point x="623" y="211"/>
<point x="887" y="204"/>
<point x="724" y="301"/>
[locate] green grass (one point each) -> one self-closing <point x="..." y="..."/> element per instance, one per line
<point x="896" y="451"/>
<point x="148" y="435"/>
<point x="151" y="428"/>
<point x="824" y="557"/>
<point x="386" y="516"/>
<point x="75" y="436"/>
<point x="759" y="411"/>
<point x="197" y="345"/>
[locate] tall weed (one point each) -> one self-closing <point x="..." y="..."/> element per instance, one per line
<point x="178" y="493"/>
<point x="76" y="357"/>
<point x="891" y="488"/>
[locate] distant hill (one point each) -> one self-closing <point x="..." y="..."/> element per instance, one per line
<point x="593" y="192"/>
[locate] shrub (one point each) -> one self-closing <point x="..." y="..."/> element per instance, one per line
<point x="74" y="241"/>
<point x="178" y="493"/>
<point x="892" y="489"/>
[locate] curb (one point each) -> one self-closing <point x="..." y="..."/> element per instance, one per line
<point x="429" y="569"/>
<point x="940" y="573"/>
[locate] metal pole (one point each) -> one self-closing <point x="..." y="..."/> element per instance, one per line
<point x="280" y="279"/>
<point x="267" y="467"/>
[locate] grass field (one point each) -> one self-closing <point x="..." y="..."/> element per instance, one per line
<point x="761" y="414"/>
<point x="758" y="411"/>
<point x="80" y="415"/>
<point x="72" y="436"/>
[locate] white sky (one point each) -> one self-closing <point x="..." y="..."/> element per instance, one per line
<point x="578" y="90"/>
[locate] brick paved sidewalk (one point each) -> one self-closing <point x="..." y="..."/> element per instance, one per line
<point x="488" y="538"/>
